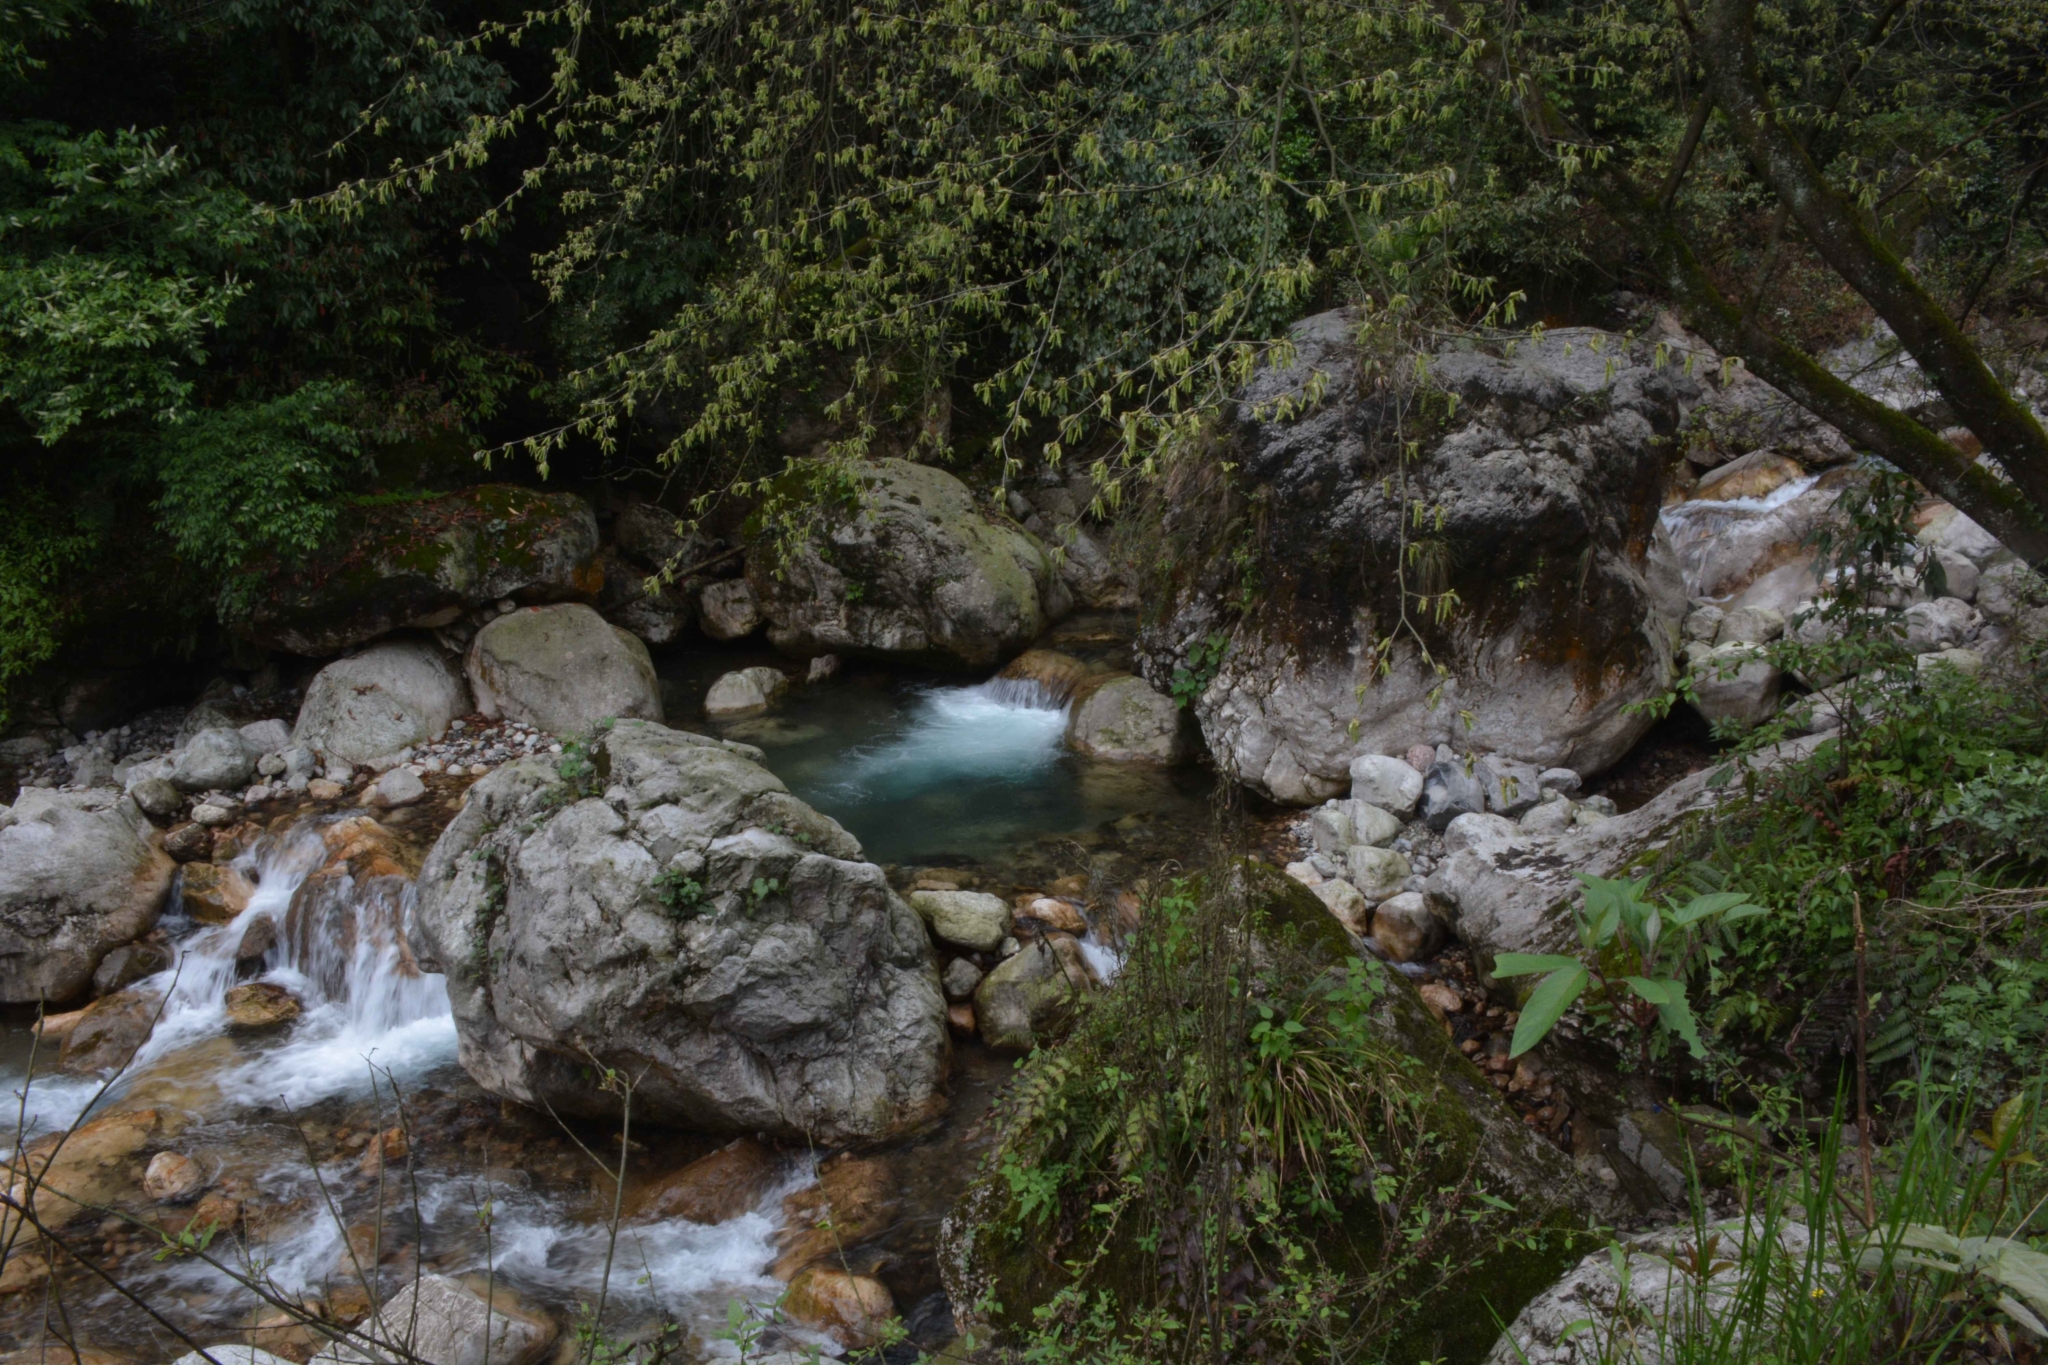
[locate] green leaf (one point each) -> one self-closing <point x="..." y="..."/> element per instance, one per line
<point x="1676" y="1015"/>
<point x="1553" y="995"/>
<point x="1524" y="964"/>
<point x="1656" y="992"/>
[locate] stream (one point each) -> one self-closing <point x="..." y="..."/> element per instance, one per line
<point x="930" y="773"/>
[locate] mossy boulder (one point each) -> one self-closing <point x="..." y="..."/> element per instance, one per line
<point x="912" y="568"/>
<point x="422" y="562"/>
<point x="1471" y="1214"/>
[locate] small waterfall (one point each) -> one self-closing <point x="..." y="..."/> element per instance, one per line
<point x="338" y="941"/>
<point x="1002" y="730"/>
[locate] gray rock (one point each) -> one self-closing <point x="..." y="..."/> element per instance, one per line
<point x="1959" y="577"/>
<point x="266" y="736"/>
<point x="1549" y="474"/>
<point x="658" y="616"/>
<point x="1559" y="780"/>
<point x="1751" y="625"/>
<point x="1580" y="1319"/>
<point x="1030" y="995"/>
<point x="918" y="570"/>
<point x="93" y="768"/>
<point x="960" y="979"/>
<point x="1703" y="623"/>
<point x="1346" y="902"/>
<point x="1552" y="817"/>
<point x="157" y="798"/>
<point x="270" y="765"/>
<point x="1390" y="783"/>
<point x="791" y="993"/>
<point x="1371" y="825"/>
<point x="1517" y="897"/>
<point x="214" y="814"/>
<point x="1967" y="662"/>
<point x="80" y="874"/>
<point x="973" y="920"/>
<point x="561" y="669"/>
<point x="1937" y="625"/>
<point x="395" y="693"/>
<point x="212" y="760"/>
<point x="1377" y="872"/>
<point x="205" y="716"/>
<point x="1510" y="787"/>
<point x="1449" y="791"/>
<point x="728" y="610"/>
<point x="1737" y="684"/>
<point x="1473" y="830"/>
<point x="744" y="692"/>
<point x="651" y="536"/>
<point x="1123" y="719"/>
<point x="128" y="964"/>
<point x="439" y="1319"/>
<point x="1947" y="531"/>
<point x="398" y="787"/>
<point x="2007" y="590"/>
<point x="821" y="668"/>
<point x="1329" y="828"/>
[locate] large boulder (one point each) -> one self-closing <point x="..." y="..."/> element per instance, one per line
<point x="1126" y="720"/>
<point x="561" y="668"/>
<point x="914" y="568"/>
<point x="392" y="695"/>
<point x="1542" y="493"/>
<point x="80" y="873"/>
<point x="673" y="912"/>
<point x="424" y="563"/>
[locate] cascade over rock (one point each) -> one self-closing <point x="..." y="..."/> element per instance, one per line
<point x="1541" y="493"/>
<point x="678" y="915"/>
<point x="424" y="564"/>
<point x="917" y="570"/>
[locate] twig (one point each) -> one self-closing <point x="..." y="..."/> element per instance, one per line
<point x="1863" y="1062"/>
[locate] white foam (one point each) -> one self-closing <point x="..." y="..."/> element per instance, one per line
<point x="1102" y="959"/>
<point x="1004" y="728"/>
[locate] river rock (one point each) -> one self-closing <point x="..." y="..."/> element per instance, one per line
<point x="108" y="1032"/>
<point x="1058" y="675"/>
<point x="423" y="564"/>
<point x="1121" y="718"/>
<point x="80" y="874"/>
<point x="173" y="1178"/>
<point x="1473" y="829"/>
<point x="960" y="979"/>
<point x="1406" y="928"/>
<point x="712" y="1188"/>
<point x="231" y="1353"/>
<point x="157" y="797"/>
<point x="128" y="964"/>
<point x="190" y="842"/>
<point x="794" y="996"/>
<point x="1390" y="783"/>
<point x="1510" y="787"/>
<point x="1578" y="1320"/>
<point x="1750" y="625"/>
<point x="1377" y="872"/>
<point x="561" y="669"/>
<point x="744" y="692"/>
<point x="1552" y="817"/>
<point x="1027" y="997"/>
<point x="1450" y="790"/>
<point x="973" y="920"/>
<point x="440" y="1319"/>
<point x="1344" y="900"/>
<point x="214" y="893"/>
<point x="658" y="617"/>
<point x="853" y="1310"/>
<point x="212" y="760"/>
<point x="853" y="1200"/>
<point x="398" y="787"/>
<point x="395" y="694"/>
<point x="1549" y="482"/>
<point x="92" y="1167"/>
<point x="1736" y="684"/>
<point x="1054" y="913"/>
<point x="1517" y="896"/>
<point x="728" y="610"/>
<point x="916" y="569"/>
<point x="1941" y="624"/>
<point x="259" y="1007"/>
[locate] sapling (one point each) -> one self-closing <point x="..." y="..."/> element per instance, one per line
<point x="1633" y="957"/>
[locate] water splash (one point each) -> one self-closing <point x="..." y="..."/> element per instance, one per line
<point x="1006" y="730"/>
